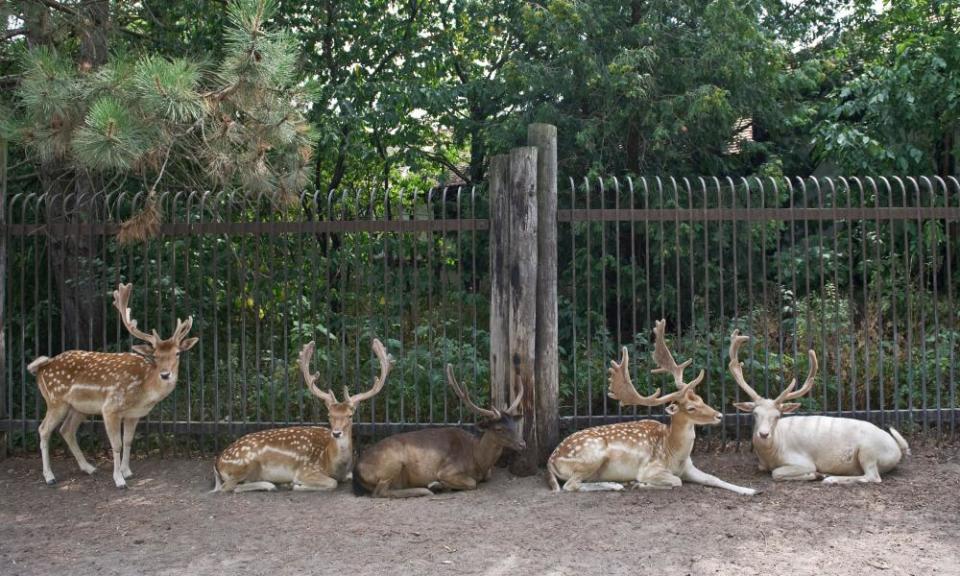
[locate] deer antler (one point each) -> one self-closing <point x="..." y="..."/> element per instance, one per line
<point x="310" y="379"/>
<point x="462" y="393"/>
<point x="121" y="299"/>
<point x="516" y="388"/>
<point x="789" y="394"/>
<point x="623" y="390"/>
<point x="665" y="362"/>
<point x="183" y="328"/>
<point x="386" y="364"/>
<point x="736" y="367"/>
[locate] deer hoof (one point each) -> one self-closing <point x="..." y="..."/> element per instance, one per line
<point x="50" y="481"/>
<point x="89" y="469"/>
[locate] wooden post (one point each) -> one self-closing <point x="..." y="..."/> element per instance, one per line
<point x="499" y="282"/>
<point x="3" y="295"/>
<point x="523" y="297"/>
<point x="547" y="372"/>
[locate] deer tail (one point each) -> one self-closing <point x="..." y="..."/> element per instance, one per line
<point x="38" y="364"/>
<point x="904" y="447"/>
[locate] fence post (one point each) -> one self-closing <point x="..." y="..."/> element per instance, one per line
<point x="3" y="295"/>
<point x="523" y="297"/>
<point x="547" y="373"/>
<point x="499" y="287"/>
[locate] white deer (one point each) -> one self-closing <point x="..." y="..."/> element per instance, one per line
<point x="811" y="447"/>
<point x="123" y="387"/>
<point x="645" y="452"/>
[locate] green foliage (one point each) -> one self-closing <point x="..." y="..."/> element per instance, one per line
<point x="237" y="124"/>
<point x="896" y="106"/>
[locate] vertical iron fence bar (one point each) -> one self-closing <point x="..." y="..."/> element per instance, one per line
<point x="633" y="284"/>
<point x="777" y="308"/>
<point x="677" y="288"/>
<point x="735" y="283"/>
<point x="878" y="295"/>
<point x="602" y="327"/>
<point x="763" y="282"/>
<point x="647" y="275"/>
<point x="401" y="309"/>
<point x="921" y="293"/>
<point x="431" y="311"/>
<point x="934" y="269"/>
<point x="721" y="227"/>
<point x="589" y="305"/>
<point x="618" y="267"/>
<point x="574" y="382"/>
<point x="853" y="226"/>
<point x="895" y="347"/>
<point x="834" y="263"/>
<point x="950" y="301"/>
<point x="908" y="291"/>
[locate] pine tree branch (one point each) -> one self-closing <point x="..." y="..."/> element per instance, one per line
<point x="59" y="7"/>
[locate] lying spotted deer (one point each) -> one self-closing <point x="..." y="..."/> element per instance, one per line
<point x="645" y="452"/>
<point x="417" y="463"/>
<point x="123" y="387"/>
<point x="809" y="447"/>
<point x="307" y="457"/>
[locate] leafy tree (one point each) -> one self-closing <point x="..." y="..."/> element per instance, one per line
<point x="895" y="107"/>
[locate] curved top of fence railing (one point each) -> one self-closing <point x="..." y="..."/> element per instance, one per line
<point x="184" y="212"/>
<point x="754" y="198"/>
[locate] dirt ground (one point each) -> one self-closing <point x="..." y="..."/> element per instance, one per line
<point x="167" y="523"/>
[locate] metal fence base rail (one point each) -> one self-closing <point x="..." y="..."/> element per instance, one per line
<point x="862" y="270"/>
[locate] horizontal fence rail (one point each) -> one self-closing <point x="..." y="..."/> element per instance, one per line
<point x="864" y="271"/>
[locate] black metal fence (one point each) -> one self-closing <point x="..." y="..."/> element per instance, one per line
<point x="862" y="270"/>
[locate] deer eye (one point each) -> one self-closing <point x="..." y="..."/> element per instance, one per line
<point x="691" y="408"/>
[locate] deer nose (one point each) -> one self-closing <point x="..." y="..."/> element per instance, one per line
<point x="337" y="433"/>
<point x="165" y="375"/>
<point x="763" y="435"/>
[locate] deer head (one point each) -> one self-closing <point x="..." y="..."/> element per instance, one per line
<point x="683" y="402"/>
<point x="163" y="354"/>
<point x="766" y="412"/>
<point x="505" y="426"/>
<point x="341" y="413"/>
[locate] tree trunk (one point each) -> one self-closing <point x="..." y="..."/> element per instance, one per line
<point x="73" y="196"/>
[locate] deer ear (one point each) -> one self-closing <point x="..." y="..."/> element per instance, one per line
<point x="744" y="406"/>
<point x="143" y="349"/>
<point x="789" y="407"/>
<point x="188" y="343"/>
<point x="671" y="409"/>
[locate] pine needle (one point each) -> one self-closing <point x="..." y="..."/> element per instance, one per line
<point x="141" y="227"/>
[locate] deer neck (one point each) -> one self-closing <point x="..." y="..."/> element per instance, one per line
<point x="338" y="456"/>
<point x="487" y="452"/>
<point x="678" y="442"/>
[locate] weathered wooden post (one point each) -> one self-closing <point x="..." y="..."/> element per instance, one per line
<point x="3" y="295"/>
<point x="523" y="297"/>
<point x="547" y="372"/>
<point x="499" y="281"/>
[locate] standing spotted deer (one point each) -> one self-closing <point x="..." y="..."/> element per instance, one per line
<point x="417" y="463"/>
<point x="307" y="457"/>
<point x="646" y="453"/>
<point x="810" y="447"/>
<point x="123" y="387"/>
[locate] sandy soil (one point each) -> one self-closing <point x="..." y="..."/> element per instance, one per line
<point x="166" y="523"/>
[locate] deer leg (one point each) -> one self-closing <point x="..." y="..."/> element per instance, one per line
<point x="586" y="470"/>
<point x="69" y="432"/>
<point x="456" y="480"/>
<point x="129" y="429"/>
<point x="871" y="474"/>
<point x="313" y="479"/>
<point x="795" y="472"/>
<point x="693" y="474"/>
<point x="254" y="486"/>
<point x="383" y="490"/>
<point x="53" y="417"/>
<point x="112" y="421"/>
<point x="657" y="478"/>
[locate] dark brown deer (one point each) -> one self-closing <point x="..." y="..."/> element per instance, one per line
<point x="417" y="463"/>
